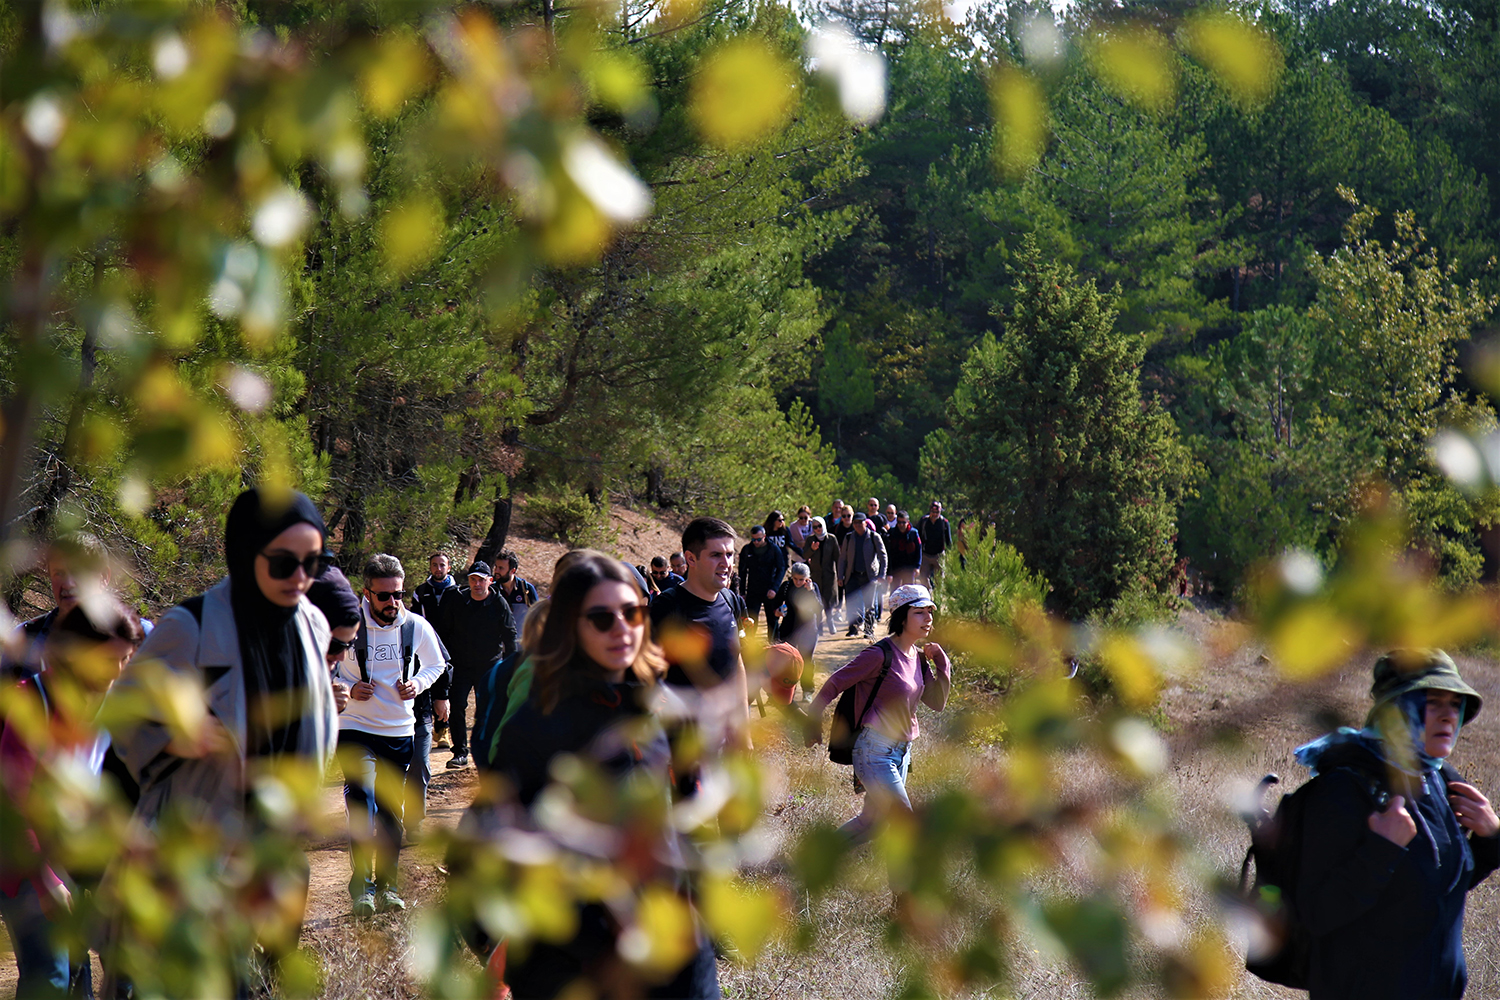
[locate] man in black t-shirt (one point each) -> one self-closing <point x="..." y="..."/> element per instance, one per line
<point x="697" y="624"/>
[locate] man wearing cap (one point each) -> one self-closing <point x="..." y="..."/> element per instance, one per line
<point x="862" y="564"/>
<point x="1393" y="839"/>
<point x="478" y="628"/>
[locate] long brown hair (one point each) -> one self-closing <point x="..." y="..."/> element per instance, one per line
<point x="557" y="659"/>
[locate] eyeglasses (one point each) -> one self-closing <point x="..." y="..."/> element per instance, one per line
<point x="658" y="572"/>
<point x="281" y="565"/>
<point x="386" y="595"/>
<point x="338" y="647"/>
<point x="631" y="614"/>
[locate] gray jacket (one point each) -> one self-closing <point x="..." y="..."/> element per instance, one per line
<point x="875" y="569"/>
<point x="209" y="657"/>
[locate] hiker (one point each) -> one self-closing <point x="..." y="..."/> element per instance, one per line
<point x="801" y="608"/>
<point x="517" y="591"/>
<point x="762" y="568"/>
<point x="255" y="646"/>
<point x="937" y="538"/>
<point x="862" y="565"/>
<point x="822" y="551"/>
<point x="77" y="564"/>
<point x="425" y="601"/>
<point x="477" y="628"/>
<point x="596" y="684"/>
<point x="1381" y="891"/>
<point x="397" y="657"/>
<point x="896" y="673"/>
<point x="83" y="653"/>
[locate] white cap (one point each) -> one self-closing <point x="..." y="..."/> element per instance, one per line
<point x="914" y="594"/>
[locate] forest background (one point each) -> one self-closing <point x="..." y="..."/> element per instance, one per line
<point x="1293" y="273"/>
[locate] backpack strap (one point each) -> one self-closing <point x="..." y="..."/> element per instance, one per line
<point x="887" y="653"/>
<point x="362" y="650"/>
<point x="408" y="640"/>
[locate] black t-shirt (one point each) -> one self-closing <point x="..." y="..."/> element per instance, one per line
<point x="694" y="620"/>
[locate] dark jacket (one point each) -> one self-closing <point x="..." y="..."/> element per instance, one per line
<point x="804" y="613"/>
<point x="476" y="632"/>
<point x="905" y="550"/>
<point x="425" y="599"/>
<point x="761" y="570"/>
<point x="823" y="560"/>
<point x="937" y="536"/>
<point x="873" y="564"/>
<point x="1386" y="921"/>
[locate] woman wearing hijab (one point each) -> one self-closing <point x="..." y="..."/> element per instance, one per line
<point x="255" y="646"/>
<point x="1382" y="890"/>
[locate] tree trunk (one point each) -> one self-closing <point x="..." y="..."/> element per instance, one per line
<point x="494" y="540"/>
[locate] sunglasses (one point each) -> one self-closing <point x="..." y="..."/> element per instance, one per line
<point x="338" y="647"/>
<point x="386" y="595"/>
<point x="281" y="565"/>
<point x="632" y="614"/>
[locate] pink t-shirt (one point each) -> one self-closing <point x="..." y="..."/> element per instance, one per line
<point x="894" y="714"/>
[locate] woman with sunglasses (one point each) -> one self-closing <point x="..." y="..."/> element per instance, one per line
<point x="593" y="696"/>
<point x="255" y="646"/>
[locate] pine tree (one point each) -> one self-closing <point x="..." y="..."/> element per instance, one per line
<point x="1052" y="440"/>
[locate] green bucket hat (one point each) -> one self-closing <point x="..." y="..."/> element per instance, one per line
<point x="1403" y="670"/>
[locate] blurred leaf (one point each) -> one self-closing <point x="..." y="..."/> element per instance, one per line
<point x="1246" y="59"/>
<point x="411" y="233"/>
<point x="1136" y="63"/>
<point x="1311" y="640"/>
<point x="1095" y="933"/>
<point x="663" y="937"/>
<point x="398" y="68"/>
<point x="617" y="80"/>
<point x="742" y="915"/>
<point x="818" y="857"/>
<point x="1131" y="669"/>
<point x="742" y="92"/>
<point x="1020" y="110"/>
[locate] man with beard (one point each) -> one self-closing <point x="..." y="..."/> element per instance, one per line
<point x="517" y="592"/>
<point x="478" y="628"/>
<point x="424" y="601"/>
<point x="397" y="657"/>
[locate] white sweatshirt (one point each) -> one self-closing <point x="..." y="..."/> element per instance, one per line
<point x="387" y="713"/>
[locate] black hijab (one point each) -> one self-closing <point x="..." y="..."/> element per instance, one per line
<point x="275" y="668"/>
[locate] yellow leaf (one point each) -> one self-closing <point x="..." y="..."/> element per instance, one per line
<point x="742" y="92"/>
<point x="617" y="80"/>
<point x="547" y="903"/>
<point x="743" y="916"/>
<point x="398" y="69"/>
<point x="1310" y="641"/>
<point x="214" y="442"/>
<point x="1131" y="670"/>
<point x="410" y="234"/>
<point x="1020" y="118"/>
<point x="662" y="938"/>
<point x="1136" y="63"/>
<point x="576" y="232"/>
<point x="1246" y="60"/>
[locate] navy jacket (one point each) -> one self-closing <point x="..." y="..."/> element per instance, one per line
<point x="1386" y="921"/>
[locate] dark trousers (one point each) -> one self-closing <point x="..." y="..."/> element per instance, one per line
<point x="754" y="602"/>
<point x="464" y="681"/>
<point x="374" y="785"/>
<point x="419" y="774"/>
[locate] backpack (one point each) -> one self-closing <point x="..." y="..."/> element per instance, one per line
<point x="1276" y="849"/>
<point x="362" y="648"/>
<point x="845" y="729"/>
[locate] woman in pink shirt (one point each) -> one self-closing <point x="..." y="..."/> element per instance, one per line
<point x="918" y="671"/>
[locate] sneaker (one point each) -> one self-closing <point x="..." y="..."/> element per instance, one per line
<point x="389" y="901"/>
<point x="364" y="906"/>
<point x="852" y="632"/>
<point x="457" y="761"/>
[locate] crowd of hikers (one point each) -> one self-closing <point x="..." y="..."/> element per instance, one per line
<point x="649" y="674"/>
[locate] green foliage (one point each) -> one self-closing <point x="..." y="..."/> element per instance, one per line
<point x="569" y="517"/>
<point x="992" y="584"/>
<point x="1052" y="439"/>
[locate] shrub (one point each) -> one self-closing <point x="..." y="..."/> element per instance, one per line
<point x="992" y="583"/>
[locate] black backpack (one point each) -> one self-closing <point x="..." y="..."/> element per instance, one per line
<point x="1276" y="849"/>
<point x="845" y="729"/>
